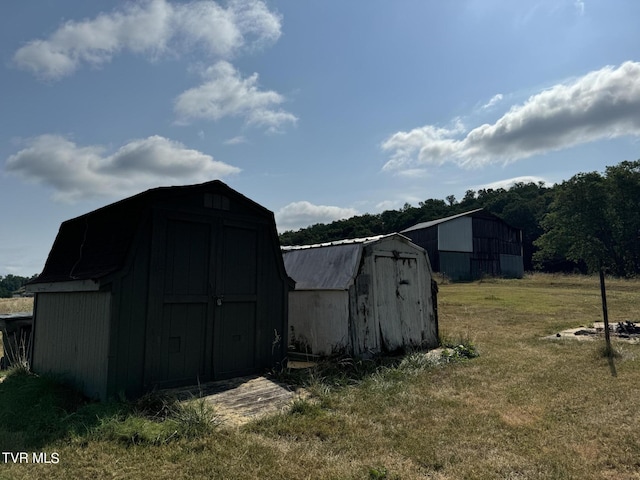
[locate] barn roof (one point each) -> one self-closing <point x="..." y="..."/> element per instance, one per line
<point x="431" y="223"/>
<point x="98" y="243"/>
<point x="328" y="266"/>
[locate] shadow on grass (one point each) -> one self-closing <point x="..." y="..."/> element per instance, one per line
<point x="612" y="367"/>
<point x="340" y="371"/>
<point x="36" y="410"/>
<point x="337" y="371"/>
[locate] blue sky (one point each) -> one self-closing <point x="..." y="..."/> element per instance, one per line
<point x="318" y="110"/>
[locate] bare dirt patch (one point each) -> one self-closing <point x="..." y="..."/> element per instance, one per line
<point x="625" y="331"/>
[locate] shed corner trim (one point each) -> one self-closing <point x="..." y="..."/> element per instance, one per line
<point x="70" y="286"/>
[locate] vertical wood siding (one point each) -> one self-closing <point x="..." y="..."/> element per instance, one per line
<point x="72" y="338"/>
<point x="511" y="266"/>
<point x="393" y="307"/>
<point x="456" y="265"/>
<point x="127" y="344"/>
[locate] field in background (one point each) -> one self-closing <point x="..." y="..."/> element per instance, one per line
<point x="526" y="408"/>
<point x="15" y="305"/>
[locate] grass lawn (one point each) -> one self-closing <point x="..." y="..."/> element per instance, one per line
<point x="525" y="408"/>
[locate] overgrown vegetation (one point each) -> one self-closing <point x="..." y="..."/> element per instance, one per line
<point x="526" y="407"/>
<point x="13" y="305"/>
<point x="39" y="410"/>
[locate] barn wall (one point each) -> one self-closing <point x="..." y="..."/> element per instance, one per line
<point x="319" y="321"/>
<point x="471" y="246"/>
<point x="456" y="265"/>
<point x="512" y="266"/>
<point x="456" y="235"/>
<point x="72" y="337"/>
<point x="427" y="238"/>
<point x="494" y="237"/>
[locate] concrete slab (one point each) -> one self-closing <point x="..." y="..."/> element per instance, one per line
<point x="240" y="400"/>
<point x="593" y="333"/>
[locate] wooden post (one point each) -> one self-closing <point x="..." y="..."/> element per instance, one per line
<point x="603" y="293"/>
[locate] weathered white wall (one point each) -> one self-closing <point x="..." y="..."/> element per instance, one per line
<point x="388" y="305"/>
<point x="395" y="308"/>
<point x="319" y="319"/>
<point x="71" y="338"/>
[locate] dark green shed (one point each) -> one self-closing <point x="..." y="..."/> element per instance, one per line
<point x="170" y="287"/>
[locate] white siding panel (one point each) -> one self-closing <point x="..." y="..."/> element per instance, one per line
<point x="319" y="320"/>
<point x="72" y="337"/>
<point x="456" y="235"/>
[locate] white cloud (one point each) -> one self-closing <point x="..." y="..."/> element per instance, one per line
<point x="494" y="100"/>
<point x="414" y="173"/>
<point x="510" y="182"/>
<point x="302" y="214"/>
<point x="406" y="144"/>
<point x="387" y="205"/>
<point x="152" y="28"/>
<point x="601" y="104"/>
<point x="226" y="94"/>
<point x="235" y="140"/>
<point x="76" y="172"/>
<point x="579" y="4"/>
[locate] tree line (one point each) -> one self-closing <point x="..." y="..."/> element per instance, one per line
<point x="11" y="283"/>
<point x="589" y="221"/>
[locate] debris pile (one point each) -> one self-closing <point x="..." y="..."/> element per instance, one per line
<point x="626" y="329"/>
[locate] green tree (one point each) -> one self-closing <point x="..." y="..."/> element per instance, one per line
<point x="624" y="214"/>
<point x="11" y="283"/>
<point x="594" y="221"/>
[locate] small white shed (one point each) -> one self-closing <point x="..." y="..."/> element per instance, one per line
<point x="361" y="297"/>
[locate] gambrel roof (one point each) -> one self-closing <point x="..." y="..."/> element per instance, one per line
<point x="99" y="243"/>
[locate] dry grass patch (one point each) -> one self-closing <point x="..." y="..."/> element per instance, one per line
<point x="15" y="305"/>
<point x="526" y="408"/>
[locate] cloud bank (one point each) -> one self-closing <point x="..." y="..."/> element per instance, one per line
<point x="76" y="172"/>
<point x="153" y="28"/>
<point x="601" y="104"/>
<point x="298" y="215"/>
<point x="225" y="93"/>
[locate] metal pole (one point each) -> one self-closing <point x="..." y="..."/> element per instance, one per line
<point x="603" y="293"/>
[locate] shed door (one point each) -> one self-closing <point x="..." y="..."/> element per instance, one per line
<point x="179" y="328"/>
<point x="398" y="301"/>
<point x="236" y="299"/>
<point x="202" y="302"/>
